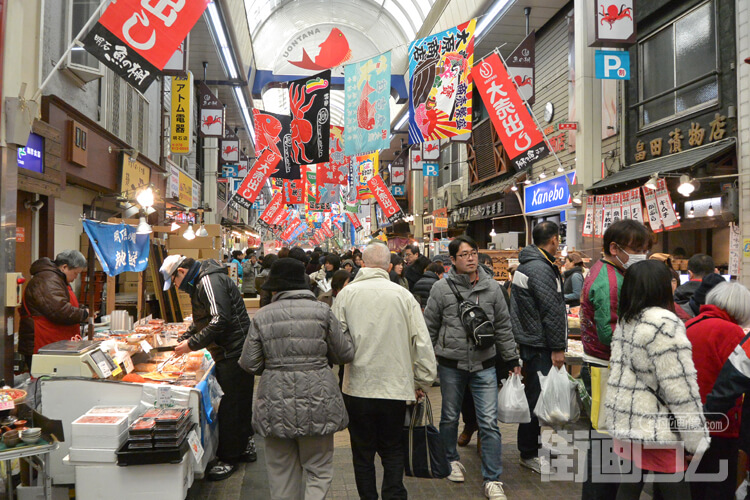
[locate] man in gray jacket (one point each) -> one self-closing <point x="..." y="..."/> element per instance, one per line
<point x="540" y="325"/>
<point x="461" y="364"/>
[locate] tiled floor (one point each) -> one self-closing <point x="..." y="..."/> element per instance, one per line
<point x="251" y="482"/>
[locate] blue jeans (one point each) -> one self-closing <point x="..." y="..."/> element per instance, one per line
<point x="483" y="385"/>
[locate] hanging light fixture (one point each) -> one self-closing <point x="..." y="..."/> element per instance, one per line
<point x="202" y="233"/>
<point x="143" y="227"/>
<point x="174" y="226"/>
<point x="651" y="182"/>
<point x="146" y="198"/>
<point x="577" y="198"/>
<point x="691" y="213"/>
<point x="542" y="175"/>
<point x="493" y="233"/>
<point x="564" y="252"/>
<point x="687" y="185"/>
<point x="189" y="234"/>
<point x="527" y="181"/>
<point x="710" y="211"/>
<point x="514" y="187"/>
<point x="560" y="169"/>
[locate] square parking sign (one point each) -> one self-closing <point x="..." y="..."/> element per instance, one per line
<point x="612" y="64"/>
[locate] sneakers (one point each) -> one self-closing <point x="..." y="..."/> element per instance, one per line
<point x="540" y="465"/>
<point x="465" y="436"/>
<point x="494" y="490"/>
<point x="457" y="472"/>
<point x="220" y="471"/>
<point x="251" y="454"/>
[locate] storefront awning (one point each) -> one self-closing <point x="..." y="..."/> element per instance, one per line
<point x="487" y="193"/>
<point x="671" y="163"/>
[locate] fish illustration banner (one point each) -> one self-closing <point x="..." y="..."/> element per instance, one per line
<point x="367" y="118"/>
<point x="367" y="168"/>
<point x="440" y="88"/>
<point x="274" y="132"/>
<point x="309" y="102"/>
<point x="339" y="161"/>
<point x="519" y="134"/>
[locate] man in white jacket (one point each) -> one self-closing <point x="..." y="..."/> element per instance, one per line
<point x="393" y="361"/>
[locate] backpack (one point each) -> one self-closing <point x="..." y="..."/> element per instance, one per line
<point x="479" y="328"/>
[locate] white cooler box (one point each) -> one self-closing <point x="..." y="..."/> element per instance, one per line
<point x="99" y="431"/>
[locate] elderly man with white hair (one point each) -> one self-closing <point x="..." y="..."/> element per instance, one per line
<point x="393" y="362"/>
<point x="715" y="335"/>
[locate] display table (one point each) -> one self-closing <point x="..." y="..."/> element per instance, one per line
<point x="38" y="456"/>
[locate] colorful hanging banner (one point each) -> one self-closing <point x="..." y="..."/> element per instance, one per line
<point x="513" y="123"/>
<point x="367" y="168"/>
<point x="254" y="180"/>
<point x="181" y="141"/>
<point x="118" y="247"/>
<point x="616" y="208"/>
<point x="636" y="207"/>
<point x="588" y="221"/>
<point x="625" y="201"/>
<point x="274" y="132"/>
<point x="387" y="202"/>
<point x="212" y="113"/>
<point x="652" y="209"/>
<point x="286" y="234"/>
<point x="355" y="221"/>
<point x="607" y="220"/>
<point x="367" y="117"/>
<point x="339" y="161"/>
<point x="666" y="209"/>
<point x="309" y="101"/>
<point x="521" y="67"/>
<point x="440" y="84"/>
<point x="293" y="192"/>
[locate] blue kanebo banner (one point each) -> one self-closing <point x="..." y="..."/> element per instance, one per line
<point x="118" y="247"/>
<point x="549" y="194"/>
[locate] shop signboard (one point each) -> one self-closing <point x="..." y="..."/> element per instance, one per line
<point x="196" y="193"/>
<point x="212" y="113"/>
<point x="135" y="175"/>
<point x="614" y="24"/>
<point x="431" y="150"/>
<point x="519" y="134"/>
<point x="182" y="115"/>
<point x="186" y="190"/>
<point x="430" y="169"/>
<point x="173" y="184"/>
<point x="612" y="64"/>
<point x="521" y="67"/>
<point x="549" y="194"/>
<point x="398" y="190"/>
<point x="31" y="157"/>
<point x="441" y="223"/>
<point x="154" y="30"/>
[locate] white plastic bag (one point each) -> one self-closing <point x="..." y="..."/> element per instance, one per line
<point x="512" y="406"/>
<point x="557" y="403"/>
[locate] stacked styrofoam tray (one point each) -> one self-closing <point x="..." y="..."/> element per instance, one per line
<point x="116" y="410"/>
<point x="99" y="431"/>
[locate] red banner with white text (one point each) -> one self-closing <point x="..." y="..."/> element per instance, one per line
<point x="258" y="175"/>
<point x="387" y="202"/>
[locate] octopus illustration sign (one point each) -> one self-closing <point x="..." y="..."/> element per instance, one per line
<point x="367" y="117"/>
<point x="614" y="24"/>
<point x="440" y="87"/>
<point x="309" y="102"/>
<point x="212" y="113"/>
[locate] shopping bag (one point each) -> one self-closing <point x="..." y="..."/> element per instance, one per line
<point x="512" y="405"/>
<point x="557" y="404"/>
<point x="599" y="378"/>
<point x="424" y="454"/>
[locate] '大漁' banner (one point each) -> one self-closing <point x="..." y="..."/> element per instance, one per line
<point x="519" y="134"/>
<point x="257" y="176"/>
<point x="272" y="209"/>
<point x="274" y="132"/>
<point x="440" y="84"/>
<point x="309" y="102"/>
<point x="387" y="202"/>
<point x="368" y="114"/>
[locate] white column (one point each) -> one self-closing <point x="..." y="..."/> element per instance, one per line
<point x="210" y="174"/>
<point x="742" y="15"/>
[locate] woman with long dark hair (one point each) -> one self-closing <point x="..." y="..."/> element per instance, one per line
<point x="652" y="378"/>
<point x="397" y="271"/>
<point x="573" y="279"/>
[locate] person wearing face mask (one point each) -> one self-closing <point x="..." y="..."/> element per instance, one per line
<point x="624" y="243"/>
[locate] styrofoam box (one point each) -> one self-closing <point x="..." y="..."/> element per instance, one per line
<point x="99" y="435"/>
<point x="83" y="441"/>
<point x="103" y="455"/>
<point x="131" y="411"/>
<point x="144" y="482"/>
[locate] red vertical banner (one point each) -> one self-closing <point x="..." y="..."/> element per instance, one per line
<point x="272" y="209"/>
<point x="293" y="191"/>
<point x="387" y="202"/>
<point x="254" y="180"/>
<point x="599" y="216"/>
<point x="286" y="234"/>
<point x="625" y="201"/>
<point x="636" y="207"/>
<point x="354" y="220"/>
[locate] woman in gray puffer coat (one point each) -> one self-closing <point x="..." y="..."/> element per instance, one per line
<point x="298" y="406"/>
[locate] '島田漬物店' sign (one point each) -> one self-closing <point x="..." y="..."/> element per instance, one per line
<point x="548" y="195"/>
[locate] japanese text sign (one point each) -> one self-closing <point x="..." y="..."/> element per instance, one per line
<point x="354" y="220"/>
<point x="118" y="247"/>
<point x="182" y="114"/>
<point x="385" y="199"/>
<point x="153" y="28"/>
<point x="511" y="119"/>
<point x="254" y="180"/>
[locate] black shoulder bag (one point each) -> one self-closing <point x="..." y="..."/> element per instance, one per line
<point x="479" y="328"/>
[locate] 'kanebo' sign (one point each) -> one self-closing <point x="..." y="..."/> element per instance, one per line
<point x="548" y="194"/>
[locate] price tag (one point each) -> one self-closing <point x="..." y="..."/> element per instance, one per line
<point x="128" y="363"/>
<point x="104" y="367"/>
<point x="9" y="405"/>
<point x="195" y="446"/>
<point x="164" y="396"/>
<point x="146" y="346"/>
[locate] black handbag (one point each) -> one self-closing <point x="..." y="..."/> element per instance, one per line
<point x="479" y="329"/>
<point x="424" y="454"/>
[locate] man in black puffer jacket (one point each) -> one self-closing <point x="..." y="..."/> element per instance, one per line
<point x="220" y="324"/>
<point x="540" y="326"/>
<point x="432" y="274"/>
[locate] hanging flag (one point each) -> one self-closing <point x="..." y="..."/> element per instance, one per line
<point x="272" y="209"/>
<point x="212" y="113"/>
<point x="367" y="116"/>
<point x="652" y="209"/>
<point x="254" y="180"/>
<point x="636" y="207"/>
<point x="417" y="161"/>
<point x="666" y="210"/>
<point x="588" y="221"/>
<point x="616" y="208"/>
<point x="440" y="84"/>
<point x="293" y="192"/>
<point x="519" y="134"/>
<point x="367" y="168"/>
<point x="625" y="201"/>
<point x="339" y="161"/>
<point x="118" y="247"/>
<point x="229" y="147"/>
<point x="521" y="67"/>
<point x="607" y="221"/>
<point x="182" y="115"/>
<point x="309" y="101"/>
<point x="274" y="132"/>
<point x="328" y="194"/>
<point x="391" y="209"/>
<point x="355" y="221"/>
<point x="599" y="216"/>
<point x="431" y="150"/>
<point x="286" y="234"/>
<point x="153" y="29"/>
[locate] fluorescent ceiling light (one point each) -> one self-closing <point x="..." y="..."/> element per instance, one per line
<point x="230" y="66"/>
<point x="402" y="121"/>
<point x="491" y="16"/>
<point x="240" y="96"/>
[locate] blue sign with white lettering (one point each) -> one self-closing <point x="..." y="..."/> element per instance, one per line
<point x="612" y="64"/>
<point x="398" y="190"/>
<point x="430" y="169"/>
<point x="230" y="171"/>
<point x="118" y="246"/>
<point x="549" y="194"/>
<point x="31" y="157"/>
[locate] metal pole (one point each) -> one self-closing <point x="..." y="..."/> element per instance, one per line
<point x="94" y="17"/>
<point x="527" y="13"/>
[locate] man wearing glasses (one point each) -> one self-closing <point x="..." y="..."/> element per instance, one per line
<point x="461" y="364"/>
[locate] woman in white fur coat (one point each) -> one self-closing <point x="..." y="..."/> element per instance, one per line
<point x="653" y="407"/>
